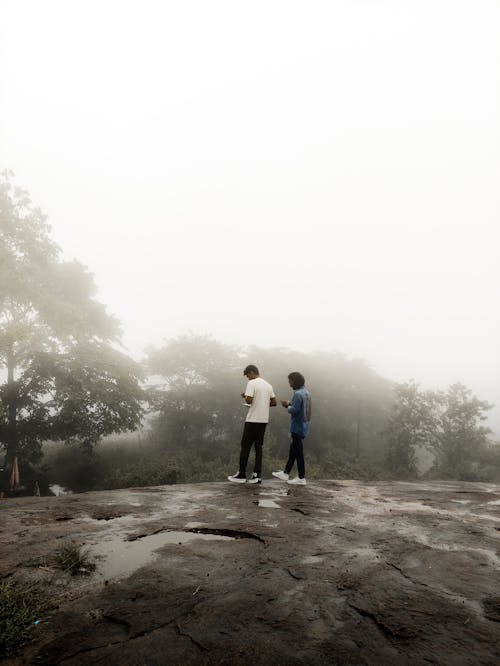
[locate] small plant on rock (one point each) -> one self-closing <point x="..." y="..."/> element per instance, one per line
<point x="74" y="559"/>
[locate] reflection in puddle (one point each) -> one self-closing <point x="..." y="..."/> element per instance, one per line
<point x="118" y="558"/>
<point x="269" y="504"/>
<point x="59" y="490"/>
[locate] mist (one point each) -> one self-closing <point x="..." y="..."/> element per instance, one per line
<point x="319" y="177"/>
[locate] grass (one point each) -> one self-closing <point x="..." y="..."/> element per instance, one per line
<point x="21" y="606"/>
<point x="74" y="559"/>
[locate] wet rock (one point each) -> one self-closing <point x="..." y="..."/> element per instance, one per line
<point x="332" y="573"/>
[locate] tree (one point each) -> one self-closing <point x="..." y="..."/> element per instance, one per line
<point x="446" y="423"/>
<point x="61" y="376"/>
<point x="462" y="439"/>
<point x="412" y="424"/>
<point x="196" y="401"/>
<point x="199" y="412"/>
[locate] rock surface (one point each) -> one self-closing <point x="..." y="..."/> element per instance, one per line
<point x="216" y="573"/>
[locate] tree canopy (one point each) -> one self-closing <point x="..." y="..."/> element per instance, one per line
<point x="62" y="375"/>
<point x="446" y="423"/>
<point x="198" y="409"/>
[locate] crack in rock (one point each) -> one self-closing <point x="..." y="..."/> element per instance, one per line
<point x="391" y="631"/>
<point x="67" y="657"/>
<point x="117" y="620"/>
<point x="297" y="576"/>
<point x="471" y="604"/>
<point x="200" y="647"/>
<point x="299" y="510"/>
<point x="234" y="534"/>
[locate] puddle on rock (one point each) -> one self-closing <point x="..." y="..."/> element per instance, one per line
<point x="195" y="524"/>
<point x="116" y="520"/>
<point x="312" y="559"/>
<point x="117" y="558"/>
<point x="269" y="504"/>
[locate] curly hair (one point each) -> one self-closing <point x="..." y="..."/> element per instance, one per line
<point x="296" y="380"/>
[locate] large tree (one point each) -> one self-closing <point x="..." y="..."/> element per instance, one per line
<point x="462" y="439"/>
<point x="445" y="423"/>
<point x="61" y="374"/>
<point x="412" y="425"/>
<point x="196" y="395"/>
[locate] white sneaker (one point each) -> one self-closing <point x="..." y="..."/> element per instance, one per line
<point x="237" y="478"/>
<point x="254" y="479"/>
<point x="297" y="482"/>
<point x="283" y="476"/>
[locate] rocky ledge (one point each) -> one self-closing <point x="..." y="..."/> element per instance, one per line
<point x="216" y="573"/>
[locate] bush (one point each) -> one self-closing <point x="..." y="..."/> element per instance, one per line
<point x="342" y="465"/>
<point x="108" y="467"/>
<point x="71" y="466"/>
<point x="141" y="473"/>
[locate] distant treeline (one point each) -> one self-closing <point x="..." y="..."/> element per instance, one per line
<point x="363" y="426"/>
<point x="62" y="380"/>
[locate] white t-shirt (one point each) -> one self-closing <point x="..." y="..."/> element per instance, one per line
<point x="261" y="392"/>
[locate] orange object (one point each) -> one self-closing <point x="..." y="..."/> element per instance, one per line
<point x="14" y="475"/>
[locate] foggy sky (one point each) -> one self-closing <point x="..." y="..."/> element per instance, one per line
<point x="312" y="175"/>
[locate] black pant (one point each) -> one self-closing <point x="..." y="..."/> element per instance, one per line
<point x="253" y="433"/>
<point x="296" y="454"/>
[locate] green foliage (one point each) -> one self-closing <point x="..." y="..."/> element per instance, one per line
<point x="109" y="466"/>
<point x="362" y="426"/>
<point x="21" y="605"/>
<point x="72" y="466"/>
<point x="461" y="439"/>
<point x="153" y="472"/>
<point x="487" y="467"/>
<point x="123" y="464"/>
<point x="447" y="423"/>
<point x="411" y="424"/>
<point x="196" y="401"/>
<point x="343" y="465"/>
<point x="64" y="378"/>
<point x="198" y="408"/>
<point x="74" y="559"/>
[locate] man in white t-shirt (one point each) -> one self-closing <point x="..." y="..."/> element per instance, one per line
<point x="259" y="396"/>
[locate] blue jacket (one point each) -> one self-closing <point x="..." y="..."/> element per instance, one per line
<point x="300" y="411"/>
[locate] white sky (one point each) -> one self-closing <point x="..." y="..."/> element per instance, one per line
<point x="313" y="175"/>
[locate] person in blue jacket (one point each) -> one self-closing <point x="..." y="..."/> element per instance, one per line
<point x="299" y="409"/>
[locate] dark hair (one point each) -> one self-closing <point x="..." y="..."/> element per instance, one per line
<point x="296" y="379"/>
<point x="251" y="368"/>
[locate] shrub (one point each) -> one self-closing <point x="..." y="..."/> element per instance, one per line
<point x="342" y="465"/>
<point x="74" y="559"/>
<point x="141" y="473"/>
